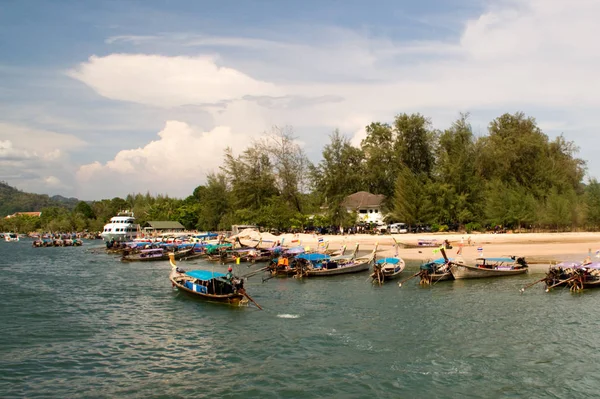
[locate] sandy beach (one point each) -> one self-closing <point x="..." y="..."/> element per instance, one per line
<point x="540" y="249"/>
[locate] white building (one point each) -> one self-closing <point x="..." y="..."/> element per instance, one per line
<point x="367" y="206"/>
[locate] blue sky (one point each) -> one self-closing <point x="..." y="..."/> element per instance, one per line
<point x="105" y="98"/>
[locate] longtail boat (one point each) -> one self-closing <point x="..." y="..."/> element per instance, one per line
<point x="575" y="275"/>
<point x="210" y="286"/>
<point x="490" y="267"/>
<point x="333" y="266"/>
<point x="155" y="254"/>
<point x="388" y="268"/>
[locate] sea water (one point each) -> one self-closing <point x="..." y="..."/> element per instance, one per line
<point x="78" y="323"/>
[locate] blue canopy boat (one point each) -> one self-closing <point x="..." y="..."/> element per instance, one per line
<point x="210" y="286"/>
<point x="387" y="269"/>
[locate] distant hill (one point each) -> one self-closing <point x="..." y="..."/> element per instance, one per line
<point x="13" y="200"/>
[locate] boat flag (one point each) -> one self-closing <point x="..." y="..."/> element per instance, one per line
<point x="435" y="251"/>
<point x="237" y="260"/>
<point x="598" y="253"/>
<point x="480" y="250"/>
<point x="459" y="252"/>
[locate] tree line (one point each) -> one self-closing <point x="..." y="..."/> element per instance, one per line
<point x="514" y="176"/>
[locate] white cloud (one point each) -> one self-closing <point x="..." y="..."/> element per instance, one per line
<point x="37" y="160"/>
<point x="175" y="163"/>
<point x="535" y="54"/>
<point x="167" y="81"/>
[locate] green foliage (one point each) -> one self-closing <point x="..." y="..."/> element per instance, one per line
<point x="471" y="227"/>
<point x="514" y="176"/>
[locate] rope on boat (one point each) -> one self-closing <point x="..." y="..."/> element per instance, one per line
<point x="522" y="290"/>
<point x="405" y="280"/>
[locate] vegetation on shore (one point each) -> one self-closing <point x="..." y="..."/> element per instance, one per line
<point x="514" y="176"/>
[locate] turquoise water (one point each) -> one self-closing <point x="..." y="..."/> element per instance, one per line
<point x="75" y="324"/>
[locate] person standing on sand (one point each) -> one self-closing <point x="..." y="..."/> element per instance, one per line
<point x="469" y="240"/>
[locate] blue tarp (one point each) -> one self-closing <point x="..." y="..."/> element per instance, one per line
<point x="196" y="287"/>
<point x="204" y="275"/>
<point x="391" y="261"/>
<point x="313" y="257"/>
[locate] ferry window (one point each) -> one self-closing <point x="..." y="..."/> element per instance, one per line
<point x="376" y="210"/>
<point x="370" y="210"/>
<point x="362" y="211"/>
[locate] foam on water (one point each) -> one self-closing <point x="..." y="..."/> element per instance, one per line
<point x="288" y="316"/>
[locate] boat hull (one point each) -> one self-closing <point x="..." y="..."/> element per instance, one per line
<point x="231" y="299"/>
<point x="356" y="268"/>
<point x="466" y="272"/>
<point x="165" y="256"/>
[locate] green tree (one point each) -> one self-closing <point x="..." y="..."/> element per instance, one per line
<point x="340" y="173"/>
<point x="381" y="164"/>
<point x="415" y="142"/>
<point x="592" y="201"/>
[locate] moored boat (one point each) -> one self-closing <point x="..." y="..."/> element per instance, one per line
<point x="490" y="267"/>
<point x="333" y="266"/>
<point x="120" y="228"/>
<point x="155" y="254"/>
<point x="11" y="237"/>
<point x="386" y="269"/>
<point x="575" y="275"/>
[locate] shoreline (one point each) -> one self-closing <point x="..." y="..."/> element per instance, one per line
<point x="539" y="249"/>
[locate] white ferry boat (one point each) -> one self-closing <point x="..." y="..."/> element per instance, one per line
<point x="121" y="228"/>
<point x="11" y="237"/>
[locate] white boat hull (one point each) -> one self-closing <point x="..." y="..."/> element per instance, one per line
<point x="119" y="237"/>
<point x="464" y="272"/>
<point x="361" y="266"/>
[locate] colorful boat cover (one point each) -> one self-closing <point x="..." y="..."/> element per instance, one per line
<point x="204" y="275"/>
<point x="314" y="257"/>
<point x="391" y="261"/>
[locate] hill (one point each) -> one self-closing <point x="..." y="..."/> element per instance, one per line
<point x="13" y="200"/>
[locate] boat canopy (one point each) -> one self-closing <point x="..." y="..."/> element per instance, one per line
<point x="295" y="250"/>
<point x="510" y="260"/>
<point x="314" y="257"/>
<point x="593" y="265"/>
<point x="569" y="264"/>
<point x="204" y="275"/>
<point x="206" y="235"/>
<point x="391" y="261"/>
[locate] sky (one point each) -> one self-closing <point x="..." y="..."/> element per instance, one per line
<point x="107" y="98"/>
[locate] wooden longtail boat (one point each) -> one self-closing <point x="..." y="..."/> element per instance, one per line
<point x="344" y="264"/>
<point x="386" y="269"/>
<point x="490" y="267"/>
<point x="575" y="275"/>
<point x="209" y="286"/>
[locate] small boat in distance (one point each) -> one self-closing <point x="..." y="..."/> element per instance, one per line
<point x="490" y="267"/>
<point x="11" y="237"/>
<point x="155" y="254"/>
<point x="210" y="286"/>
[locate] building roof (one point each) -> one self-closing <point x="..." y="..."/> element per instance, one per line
<point x="163" y="225"/>
<point x="363" y="199"/>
